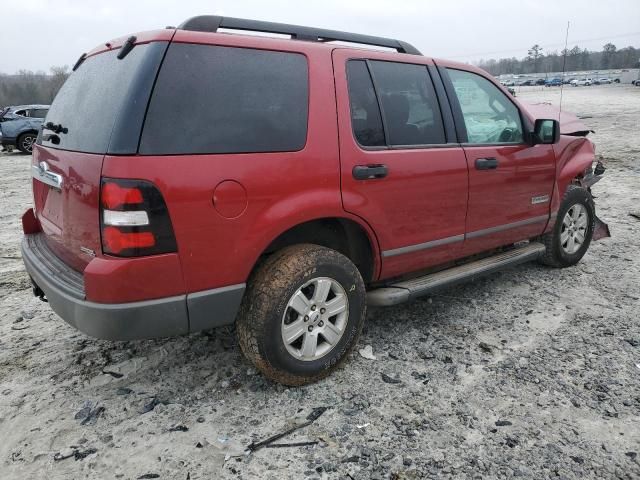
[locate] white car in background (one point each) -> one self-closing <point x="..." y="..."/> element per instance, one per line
<point x="581" y="82"/>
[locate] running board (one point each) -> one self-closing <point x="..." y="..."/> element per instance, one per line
<point x="409" y="289"/>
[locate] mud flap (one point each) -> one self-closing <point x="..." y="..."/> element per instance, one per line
<point x="601" y="230"/>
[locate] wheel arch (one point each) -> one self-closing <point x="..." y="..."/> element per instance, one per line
<point x="34" y="131"/>
<point x="345" y="235"/>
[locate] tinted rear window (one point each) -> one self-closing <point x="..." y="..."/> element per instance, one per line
<point x="89" y="101"/>
<point x="409" y="104"/>
<point x="212" y="99"/>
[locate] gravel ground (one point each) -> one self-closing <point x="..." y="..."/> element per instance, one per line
<point x="532" y="372"/>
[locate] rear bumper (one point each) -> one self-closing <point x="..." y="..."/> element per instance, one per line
<point x="165" y="317"/>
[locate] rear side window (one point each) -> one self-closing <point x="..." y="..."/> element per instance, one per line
<point x="212" y="99"/>
<point x="90" y="100"/>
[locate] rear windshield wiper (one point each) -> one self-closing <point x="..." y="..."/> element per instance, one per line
<point x="127" y="47"/>
<point x="55" y="127"/>
<point x="82" y="58"/>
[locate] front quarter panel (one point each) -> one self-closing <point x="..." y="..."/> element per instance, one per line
<point x="573" y="156"/>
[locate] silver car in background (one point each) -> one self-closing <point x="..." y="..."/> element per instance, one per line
<point x="19" y="126"/>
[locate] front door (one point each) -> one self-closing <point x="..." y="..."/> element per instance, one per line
<point x="401" y="169"/>
<point x="510" y="182"/>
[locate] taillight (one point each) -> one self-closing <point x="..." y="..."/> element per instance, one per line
<point x="134" y="219"/>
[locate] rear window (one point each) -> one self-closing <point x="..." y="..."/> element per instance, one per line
<point x="212" y="99"/>
<point x="92" y="97"/>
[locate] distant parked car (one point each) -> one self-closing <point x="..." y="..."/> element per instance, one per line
<point x="527" y="83"/>
<point x="553" y="82"/>
<point x="604" y="81"/>
<point x="581" y="82"/>
<point x="19" y="126"/>
<point x="541" y="81"/>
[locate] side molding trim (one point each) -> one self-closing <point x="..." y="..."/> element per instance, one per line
<point x="460" y="238"/>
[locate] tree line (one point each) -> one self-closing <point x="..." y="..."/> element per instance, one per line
<point x="26" y="87"/>
<point x="539" y="61"/>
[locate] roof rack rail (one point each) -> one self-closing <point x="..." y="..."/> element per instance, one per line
<point x="211" y="23"/>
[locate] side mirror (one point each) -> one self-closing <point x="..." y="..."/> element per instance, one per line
<point x="545" y="132"/>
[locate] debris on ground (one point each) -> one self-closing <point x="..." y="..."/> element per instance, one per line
<point x="88" y="415"/>
<point x="312" y="417"/>
<point x="387" y="379"/>
<point x="367" y="352"/>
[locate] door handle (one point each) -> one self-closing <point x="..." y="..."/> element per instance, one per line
<point x="490" y="163"/>
<point x="369" y="172"/>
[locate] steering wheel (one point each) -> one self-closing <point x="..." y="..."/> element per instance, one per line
<point x="507" y="135"/>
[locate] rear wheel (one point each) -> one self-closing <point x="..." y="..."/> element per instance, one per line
<point x="571" y="235"/>
<point x="302" y="313"/>
<point x="26" y="141"/>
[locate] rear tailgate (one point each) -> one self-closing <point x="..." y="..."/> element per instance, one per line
<point x="69" y="215"/>
<point x="100" y="109"/>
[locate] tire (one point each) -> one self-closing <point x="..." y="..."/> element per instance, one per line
<point x="561" y="253"/>
<point x="266" y="310"/>
<point x="25" y="142"/>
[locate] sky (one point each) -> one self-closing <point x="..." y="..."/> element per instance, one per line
<point x="38" y="34"/>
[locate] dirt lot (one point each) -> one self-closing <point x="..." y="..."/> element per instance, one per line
<point x="532" y="372"/>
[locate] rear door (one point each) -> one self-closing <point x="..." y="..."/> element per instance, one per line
<point x="401" y="168"/>
<point x="510" y="182"/>
<point x="99" y="108"/>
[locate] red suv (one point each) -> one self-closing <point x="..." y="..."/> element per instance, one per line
<point x="186" y="178"/>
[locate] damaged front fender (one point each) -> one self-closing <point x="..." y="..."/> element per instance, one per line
<point x="600" y="230"/>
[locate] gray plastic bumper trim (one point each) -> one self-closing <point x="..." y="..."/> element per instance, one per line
<point x="214" y="308"/>
<point x="164" y="317"/>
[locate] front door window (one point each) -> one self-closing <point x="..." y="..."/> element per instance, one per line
<point x="489" y="116"/>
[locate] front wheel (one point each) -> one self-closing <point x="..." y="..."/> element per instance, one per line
<point x="302" y="313"/>
<point x="571" y="235"/>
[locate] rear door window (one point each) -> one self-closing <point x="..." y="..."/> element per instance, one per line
<point x="39" y="112"/>
<point x="214" y="99"/>
<point x="404" y="93"/>
<point x="409" y="104"/>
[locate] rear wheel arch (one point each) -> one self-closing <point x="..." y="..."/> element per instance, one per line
<point x="341" y="234"/>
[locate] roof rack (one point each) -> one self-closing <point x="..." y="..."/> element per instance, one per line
<point x="211" y="23"/>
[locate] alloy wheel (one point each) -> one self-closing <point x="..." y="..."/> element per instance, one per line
<point x="315" y="319"/>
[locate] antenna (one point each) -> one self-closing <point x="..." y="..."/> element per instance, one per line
<point x="564" y="63"/>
